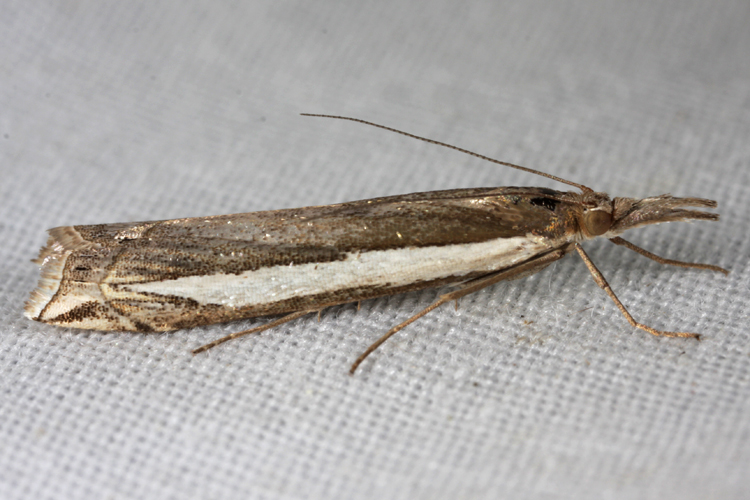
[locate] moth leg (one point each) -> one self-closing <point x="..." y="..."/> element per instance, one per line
<point x="257" y="329"/>
<point x="661" y="260"/>
<point x="599" y="278"/>
<point x="525" y="268"/>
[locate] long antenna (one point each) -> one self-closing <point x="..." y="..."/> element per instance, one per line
<point x="583" y="188"/>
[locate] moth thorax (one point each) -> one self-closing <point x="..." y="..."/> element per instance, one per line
<point x="596" y="222"/>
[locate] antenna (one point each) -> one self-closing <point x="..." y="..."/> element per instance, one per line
<point x="583" y="188"/>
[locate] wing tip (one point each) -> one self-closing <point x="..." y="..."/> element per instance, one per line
<point x="61" y="243"/>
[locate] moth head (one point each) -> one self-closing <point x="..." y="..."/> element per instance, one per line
<point x="629" y="213"/>
<point x="597" y="215"/>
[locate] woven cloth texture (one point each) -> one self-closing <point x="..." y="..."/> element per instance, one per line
<point x="534" y="389"/>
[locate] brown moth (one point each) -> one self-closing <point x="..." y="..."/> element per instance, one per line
<point x="165" y="275"/>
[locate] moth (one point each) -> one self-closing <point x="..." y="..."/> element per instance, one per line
<point x="165" y="275"/>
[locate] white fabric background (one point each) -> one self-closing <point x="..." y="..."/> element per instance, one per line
<point x="535" y="389"/>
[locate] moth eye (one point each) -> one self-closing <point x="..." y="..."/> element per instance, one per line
<point x="597" y="222"/>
